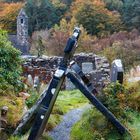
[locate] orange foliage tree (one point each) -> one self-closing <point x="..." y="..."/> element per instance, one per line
<point x="95" y="17"/>
<point x="66" y="28"/>
<point x="8" y="14"/>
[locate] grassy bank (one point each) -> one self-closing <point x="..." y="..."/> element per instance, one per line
<point x="94" y="126"/>
<point x="123" y="102"/>
<point x="66" y="101"/>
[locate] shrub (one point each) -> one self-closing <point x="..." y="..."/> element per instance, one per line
<point x="114" y="98"/>
<point x="118" y="97"/>
<point x="119" y="51"/>
<point x="15" y="109"/>
<point x="32" y="99"/>
<point x="133" y="98"/>
<point x="97" y="128"/>
<point x="10" y="63"/>
<point x="124" y="102"/>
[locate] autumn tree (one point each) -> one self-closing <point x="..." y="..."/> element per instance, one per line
<point x="38" y="42"/>
<point x="55" y="39"/>
<point x="118" y="51"/>
<point x="95" y="17"/>
<point x="52" y="41"/>
<point x="8" y="15"/>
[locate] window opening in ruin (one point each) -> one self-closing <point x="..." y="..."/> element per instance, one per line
<point x="21" y="21"/>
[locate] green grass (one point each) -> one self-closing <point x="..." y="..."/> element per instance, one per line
<point x="66" y="101"/>
<point x="94" y="126"/>
<point x="15" y="107"/>
<point x="70" y="99"/>
<point x="25" y="137"/>
<point x="134" y="124"/>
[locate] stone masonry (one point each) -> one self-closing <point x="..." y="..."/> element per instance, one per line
<point x="20" y="40"/>
<point x="45" y="67"/>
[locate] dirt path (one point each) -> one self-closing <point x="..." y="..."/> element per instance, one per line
<point x="62" y="131"/>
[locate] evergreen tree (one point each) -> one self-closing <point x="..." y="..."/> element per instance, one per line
<point x="131" y="14"/>
<point x="114" y="5"/>
<point x="41" y="13"/>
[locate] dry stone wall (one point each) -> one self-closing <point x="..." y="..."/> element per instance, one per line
<point x="95" y="67"/>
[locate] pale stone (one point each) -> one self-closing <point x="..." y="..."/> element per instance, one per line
<point x="69" y="84"/>
<point x="87" y="67"/>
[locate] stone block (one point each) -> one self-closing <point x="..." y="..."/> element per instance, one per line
<point x="69" y="85"/>
<point x="87" y="67"/>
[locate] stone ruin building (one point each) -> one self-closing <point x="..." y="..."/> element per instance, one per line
<point x="20" y="40"/>
<point x="95" y="67"/>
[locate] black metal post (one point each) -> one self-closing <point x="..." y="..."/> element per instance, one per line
<point x="74" y="66"/>
<point x="48" y="101"/>
<point x="96" y="103"/>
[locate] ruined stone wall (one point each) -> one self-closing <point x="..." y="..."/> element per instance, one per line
<point x="95" y="67"/>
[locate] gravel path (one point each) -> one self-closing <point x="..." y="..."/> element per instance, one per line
<point x="62" y="131"/>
